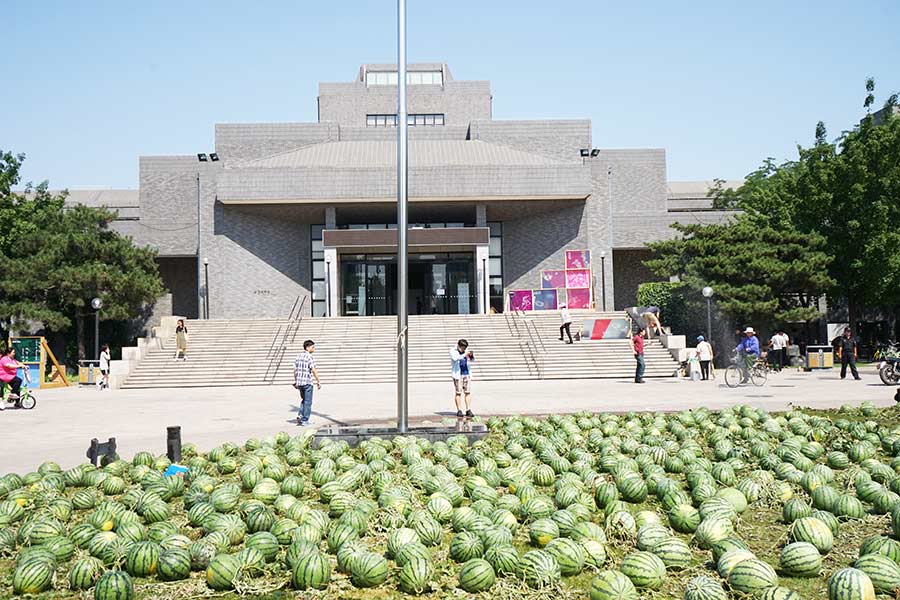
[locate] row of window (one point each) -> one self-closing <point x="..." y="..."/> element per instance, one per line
<point x="412" y="78"/>
<point x="420" y="120"/>
<point x="394" y="225"/>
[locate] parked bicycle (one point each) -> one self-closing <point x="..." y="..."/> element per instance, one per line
<point x="890" y="349"/>
<point x="756" y="372"/>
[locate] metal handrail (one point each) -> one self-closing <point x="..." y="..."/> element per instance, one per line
<point x="538" y="364"/>
<point x="285" y="331"/>
<point x="529" y="343"/>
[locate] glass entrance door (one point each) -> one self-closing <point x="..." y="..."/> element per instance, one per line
<point x="438" y="284"/>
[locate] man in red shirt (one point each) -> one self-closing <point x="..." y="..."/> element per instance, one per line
<point x="637" y="347"/>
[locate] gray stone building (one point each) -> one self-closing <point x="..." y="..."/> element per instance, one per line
<point x="283" y="211"/>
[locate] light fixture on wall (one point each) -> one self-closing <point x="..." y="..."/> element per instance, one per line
<point x="202" y="157"/>
<point x="214" y="157"/>
<point x="585" y="152"/>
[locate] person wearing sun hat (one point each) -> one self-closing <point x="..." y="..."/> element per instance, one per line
<point x="748" y="352"/>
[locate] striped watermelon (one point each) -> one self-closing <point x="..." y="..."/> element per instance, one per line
<point x="114" y="585"/>
<point x="752" y="576"/>
<point x="32" y="576"/>
<point x="569" y="554"/>
<point x="645" y="569"/>
<point x="674" y="552"/>
<point x="339" y="534"/>
<point x="711" y="531"/>
<point x="800" y="559"/>
<point x="410" y="551"/>
<point x="476" y="575"/>
<point x="265" y="542"/>
<point x="399" y="538"/>
<point x="223" y="571"/>
<point x="312" y="571"/>
<point x="415" y="576"/>
<point x="612" y="585"/>
<point x="795" y="508"/>
<point x="542" y="531"/>
<point x="704" y="588"/>
<point x="684" y="518"/>
<point x="649" y="535"/>
<point x="879" y="544"/>
<point x="539" y="569"/>
<point x="174" y="564"/>
<point x="814" y="531"/>
<point x="884" y="572"/>
<point x="368" y="570"/>
<point x="465" y="546"/>
<point x="504" y="559"/>
<point x="595" y="553"/>
<point x="850" y="584"/>
<point x="142" y="559"/>
<point x="85" y="572"/>
<point x="779" y="593"/>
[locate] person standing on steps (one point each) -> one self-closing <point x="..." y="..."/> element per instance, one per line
<point x="566" y="323"/>
<point x="304" y="374"/>
<point x="848" y="351"/>
<point x="705" y="353"/>
<point x="181" y="340"/>
<point x="461" y="373"/>
<point x="637" y="348"/>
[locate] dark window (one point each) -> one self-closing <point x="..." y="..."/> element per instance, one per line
<point x="413" y="120"/>
<point x="317" y="254"/>
<point x="495" y="266"/>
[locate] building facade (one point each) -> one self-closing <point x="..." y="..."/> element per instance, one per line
<point x="305" y="213"/>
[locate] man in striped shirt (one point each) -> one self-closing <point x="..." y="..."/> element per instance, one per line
<point x="304" y="374"/>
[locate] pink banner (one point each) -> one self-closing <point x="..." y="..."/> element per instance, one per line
<point x="520" y="300"/>
<point x="578" y="278"/>
<point x="579" y="298"/>
<point x="545" y="299"/>
<point x="553" y="279"/>
<point x="578" y="259"/>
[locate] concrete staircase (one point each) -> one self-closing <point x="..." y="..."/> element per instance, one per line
<point x="362" y="349"/>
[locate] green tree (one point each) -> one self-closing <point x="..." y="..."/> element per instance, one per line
<point x="761" y="275"/>
<point x="848" y="192"/>
<point x="57" y="258"/>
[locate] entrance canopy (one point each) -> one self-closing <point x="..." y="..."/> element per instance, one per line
<point x="385" y="240"/>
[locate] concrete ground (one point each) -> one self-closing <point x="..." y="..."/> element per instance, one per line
<point x="61" y="426"/>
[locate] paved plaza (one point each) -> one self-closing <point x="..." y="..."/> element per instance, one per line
<point x="65" y="420"/>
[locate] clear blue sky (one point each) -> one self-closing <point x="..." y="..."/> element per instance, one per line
<point x="89" y="86"/>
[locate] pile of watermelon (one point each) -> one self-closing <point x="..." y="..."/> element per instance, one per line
<point x="619" y="507"/>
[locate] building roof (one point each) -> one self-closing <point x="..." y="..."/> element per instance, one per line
<point x="383" y="154"/>
<point x="697" y="189"/>
<point x="104" y="197"/>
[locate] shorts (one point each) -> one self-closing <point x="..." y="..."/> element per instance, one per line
<point x="104" y="372"/>
<point x="463" y="384"/>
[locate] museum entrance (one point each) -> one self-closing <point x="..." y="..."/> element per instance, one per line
<point x="442" y="283"/>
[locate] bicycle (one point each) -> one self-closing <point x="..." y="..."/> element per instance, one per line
<point x="888" y="350"/>
<point x="26" y="399"/>
<point x="757" y="372"/>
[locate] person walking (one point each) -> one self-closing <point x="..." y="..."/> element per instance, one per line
<point x="848" y="352"/>
<point x="304" y="374"/>
<point x="461" y="374"/>
<point x="9" y="367"/>
<point x="104" y="367"/>
<point x="778" y="344"/>
<point x="637" y="348"/>
<point x="705" y="354"/>
<point x="566" y="323"/>
<point x="181" y="340"/>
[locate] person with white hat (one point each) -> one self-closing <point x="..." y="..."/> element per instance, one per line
<point x="748" y="352"/>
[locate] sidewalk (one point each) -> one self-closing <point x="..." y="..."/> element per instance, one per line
<point x="61" y="426"/>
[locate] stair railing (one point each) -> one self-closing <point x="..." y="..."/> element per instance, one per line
<point x="288" y="333"/>
<point x="527" y="343"/>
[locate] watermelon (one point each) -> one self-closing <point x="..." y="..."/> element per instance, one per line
<point x="800" y="559"/>
<point x="752" y="576"/>
<point x="312" y="571"/>
<point x="645" y="569"/>
<point x="223" y="571"/>
<point x="174" y="564"/>
<point x="711" y="531"/>
<point x="142" y="559"/>
<point x="779" y="593"/>
<point x="539" y="569"/>
<point x="674" y="552"/>
<point x="503" y="558"/>
<point x="879" y="544"/>
<point x="850" y="584"/>
<point x="612" y="585"/>
<point x="415" y="576"/>
<point x="32" y="576"/>
<point x="704" y="588"/>
<point x="814" y="531"/>
<point x="884" y="572"/>
<point x="542" y="531"/>
<point x="569" y="555"/>
<point x="476" y="575"/>
<point x="85" y="572"/>
<point x="114" y="585"/>
<point x="368" y="570"/>
<point x="465" y="546"/>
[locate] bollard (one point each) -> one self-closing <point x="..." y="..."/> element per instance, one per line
<point x="97" y="450"/>
<point x="173" y="443"/>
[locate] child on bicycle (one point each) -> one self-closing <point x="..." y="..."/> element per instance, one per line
<point x="8" y="368"/>
<point x="748" y="352"/>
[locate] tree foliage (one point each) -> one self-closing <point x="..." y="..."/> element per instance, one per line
<point x="847" y="192"/>
<point x="761" y="275"/>
<point x="54" y="259"/>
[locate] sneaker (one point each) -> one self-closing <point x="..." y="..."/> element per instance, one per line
<point x="469" y="414"/>
<point x="459" y="414"/>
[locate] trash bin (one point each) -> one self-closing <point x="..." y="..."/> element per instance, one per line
<point x="88" y="372"/>
<point x="819" y="357"/>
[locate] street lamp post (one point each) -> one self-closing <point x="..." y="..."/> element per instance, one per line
<point x="206" y="288"/>
<point x="402" y="226"/>
<point x="96" y="304"/>
<point x="603" y="276"/>
<point x="708" y="294"/>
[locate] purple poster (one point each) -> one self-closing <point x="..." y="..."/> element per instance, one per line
<point x="545" y="299"/>
<point x="578" y="278"/>
<point x="553" y="279"/>
<point x="578" y="259"/>
<point x="520" y="300"/>
<point x="579" y="298"/>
